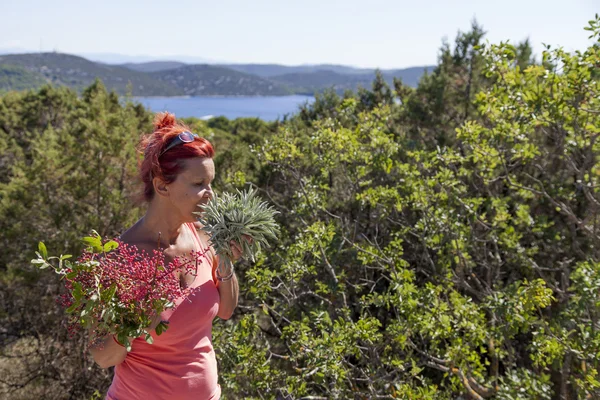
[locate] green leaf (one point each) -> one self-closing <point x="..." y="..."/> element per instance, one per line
<point x="111" y="245"/>
<point x="77" y="290"/>
<point x="108" y="294"/>
<point x="42" y="250"/>
<point x="149" y="338"/>
<point x="71" y="275"/>
<point x="94" y="242"/>
<point x="44" y="265"/>
<point x="161" y="327"/>
<point x="124" y="340"/>
<point x="72" y="307"/>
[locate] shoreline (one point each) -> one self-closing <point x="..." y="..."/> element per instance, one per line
<point x="216" y="96"/>
<point x="266" y="108"/>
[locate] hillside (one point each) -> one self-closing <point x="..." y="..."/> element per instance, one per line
<point x="311" y="82"/>
<point x="410" y="76"/>
<point x="304" y="78"/>
<point x="78" y="73"/>
<point x="271" y="70"/>
<point x="153" y="66"/>
<point x="174" y="78"/>
<point x="14" y="77"/>
<point x="209" y="80"/>
<point x="317" y="81"/>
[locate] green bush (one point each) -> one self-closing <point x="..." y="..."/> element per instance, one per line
<point x="462" y="262"/>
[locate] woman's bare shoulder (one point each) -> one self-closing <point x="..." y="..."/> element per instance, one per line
<point x="130" y="238"/>
<point x="201" y="232"/>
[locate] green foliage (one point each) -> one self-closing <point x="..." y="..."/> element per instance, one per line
<point x="241" y="218"/>
<point x="67" y="163"/>
<point x="440" y="247"/>
<point x="14" y="77"/>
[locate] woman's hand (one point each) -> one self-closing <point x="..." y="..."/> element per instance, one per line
<point x="236" y="248"/>
<point x="225" y="269"/>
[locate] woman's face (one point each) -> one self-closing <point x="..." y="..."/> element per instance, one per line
<point x="192" y="187"/>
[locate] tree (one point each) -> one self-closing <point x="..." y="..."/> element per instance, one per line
<point x="466" y="267"/>
<point x="70" y="167"/>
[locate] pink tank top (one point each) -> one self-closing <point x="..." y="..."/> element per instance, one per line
<point x="181" y="363"/>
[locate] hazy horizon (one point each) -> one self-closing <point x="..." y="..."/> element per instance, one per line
<point x="103" y="57"/>
<point x="379" y="34"/>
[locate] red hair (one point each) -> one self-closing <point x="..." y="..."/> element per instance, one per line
<point x="168" y="165"/>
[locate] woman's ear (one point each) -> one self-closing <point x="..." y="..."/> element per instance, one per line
<point x="160" y="187"/>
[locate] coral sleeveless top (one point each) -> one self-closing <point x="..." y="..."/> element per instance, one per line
<point x="181" y="363"/>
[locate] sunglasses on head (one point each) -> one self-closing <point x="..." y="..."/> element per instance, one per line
<point x="183" y="137"/>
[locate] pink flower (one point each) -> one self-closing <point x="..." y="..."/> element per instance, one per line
<point x="121" y="291"/>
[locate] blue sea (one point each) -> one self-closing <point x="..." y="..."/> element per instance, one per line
<point x="268" y="108"/>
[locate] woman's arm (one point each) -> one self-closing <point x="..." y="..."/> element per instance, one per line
<point x="107" y="352"/>
<point x="228" y="290"/>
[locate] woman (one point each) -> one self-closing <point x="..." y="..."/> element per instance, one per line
<point x="177" y="171"/>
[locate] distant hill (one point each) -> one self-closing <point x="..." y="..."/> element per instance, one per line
<point x="262" y="70"/>
<point x="78" y="73"/>
<point x="175" y="78"/>
<point x="153" y="66"/>
<point x="119" y="59"/>
<point x="410" y="76"/>
<point x="270" y="70"/>
<point x="14" y="77"/>
<point x="311" y="82"/>
<point x="210" y="80"/>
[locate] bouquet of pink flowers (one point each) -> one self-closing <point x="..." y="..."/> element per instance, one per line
<point x="113" y="288"/>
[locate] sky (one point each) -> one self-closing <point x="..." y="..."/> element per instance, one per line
<point x="374" y="33"/>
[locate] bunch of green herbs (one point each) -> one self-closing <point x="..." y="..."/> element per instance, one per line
<point x="240" y="217"/>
